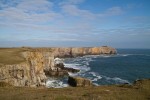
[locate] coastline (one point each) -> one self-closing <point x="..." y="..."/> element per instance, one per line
<point x="38" y="63"/>
<point x="135" y="91"/>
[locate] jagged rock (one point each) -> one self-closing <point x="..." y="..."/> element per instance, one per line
<point x="56" y="73"/>
<point x="72" y="70"/>
<point x="60" y="66"/>
<point x="79" y="82"/>
<point x="60" y="69"/>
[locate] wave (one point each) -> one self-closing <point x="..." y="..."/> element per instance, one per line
<point x="95" y="76"/>
<point x="55" y="83"/>
<point x="133" y="55"/>
<point x="116" y="79"/>
<point x="82" y="68"/>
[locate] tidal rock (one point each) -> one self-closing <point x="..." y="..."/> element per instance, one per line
<point x="79" y="82"/>
<point x="59" y="73"/>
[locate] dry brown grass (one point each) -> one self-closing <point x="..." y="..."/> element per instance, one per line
<point x="11" y="55"/>
<point x="114" y="92"/>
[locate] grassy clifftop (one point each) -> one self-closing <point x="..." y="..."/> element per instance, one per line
<point x="11" y="55"/>
<point x="138" y="91"/>
<point x="14" y="56"/>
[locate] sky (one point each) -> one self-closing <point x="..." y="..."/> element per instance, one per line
<point x="75" y="23"/>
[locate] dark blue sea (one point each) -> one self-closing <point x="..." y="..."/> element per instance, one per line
<point x="125" y="67"/>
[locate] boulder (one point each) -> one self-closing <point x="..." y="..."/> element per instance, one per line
<point x="79" y="82"/>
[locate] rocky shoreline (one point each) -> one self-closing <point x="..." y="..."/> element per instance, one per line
<point x="42" y="62"/>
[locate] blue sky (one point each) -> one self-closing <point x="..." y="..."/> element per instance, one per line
<point x="45" y="23"/>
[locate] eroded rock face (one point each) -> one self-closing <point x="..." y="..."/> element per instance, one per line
<point x="30" y="73"/>
<point x="79" y="82"/>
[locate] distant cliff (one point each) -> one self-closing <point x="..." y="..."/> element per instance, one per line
<point x="74" y="52"/>
<point x="39" y="62"/>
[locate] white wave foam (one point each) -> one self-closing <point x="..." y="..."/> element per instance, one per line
<point x="96" y="84"/>
<point x="132" y="55"/>
<point x="91" y="56"/>
<point x="83" y="68"/>
<point x="72" y="74"/>
<point x="95" y="76"/>
<point x="117" y="79"/>
<point x="55" y="83"/>
<point x="74" y="65"/>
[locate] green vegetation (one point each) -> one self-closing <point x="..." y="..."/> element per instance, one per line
<point x="138" y="91"/>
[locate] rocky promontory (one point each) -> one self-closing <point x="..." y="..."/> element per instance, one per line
<point x="74" y="52"/>
<point x="38" y="63"/>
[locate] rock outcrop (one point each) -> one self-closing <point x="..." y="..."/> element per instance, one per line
<point x="60" y="70"/>
<point x="79" y="82"/>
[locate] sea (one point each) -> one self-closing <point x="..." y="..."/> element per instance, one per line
<point x="126" y="66"/>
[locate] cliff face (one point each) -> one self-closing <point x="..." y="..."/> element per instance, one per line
<point x="73" y="52"/>
<point x="30" y="73"/>
<point x="40" y="62"/>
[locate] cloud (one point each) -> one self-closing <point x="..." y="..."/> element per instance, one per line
<point x="72" y="9"/>
<point x="29" y="11"/>
<point x="65" y="21"/>
<point x="66" y="2"/>
<point x="114" y="11"/>
<point x="32" y="6"/>
<point x="75" y="11"/>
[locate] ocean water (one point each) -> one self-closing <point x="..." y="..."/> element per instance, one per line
<point x="125" y="67"/>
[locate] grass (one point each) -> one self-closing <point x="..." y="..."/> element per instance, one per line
<point x="13" y="55"/>
<point x="139" y="91"/>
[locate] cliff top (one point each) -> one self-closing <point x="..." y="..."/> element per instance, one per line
<point x="14" y="56"/>
<point x="11" y="55"/>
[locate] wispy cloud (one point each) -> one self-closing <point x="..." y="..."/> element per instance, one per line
<point x="28" y="11"/>
<point x="72" y="8"/>
<point x="67" y="21"/>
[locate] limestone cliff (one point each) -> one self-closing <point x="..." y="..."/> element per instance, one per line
<point x="39" y="62"/>
<point x="73" y="52"/>
<point x="29" y="73"/>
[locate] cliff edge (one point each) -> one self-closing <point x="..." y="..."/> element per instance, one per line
<point x="29" y="66"/>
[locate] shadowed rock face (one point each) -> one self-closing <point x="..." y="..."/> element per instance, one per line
<point x="60" y="69"/>
<point x="73" y="52"/>
<point x="40" y="62"/>
<point x="79" y="82"/>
